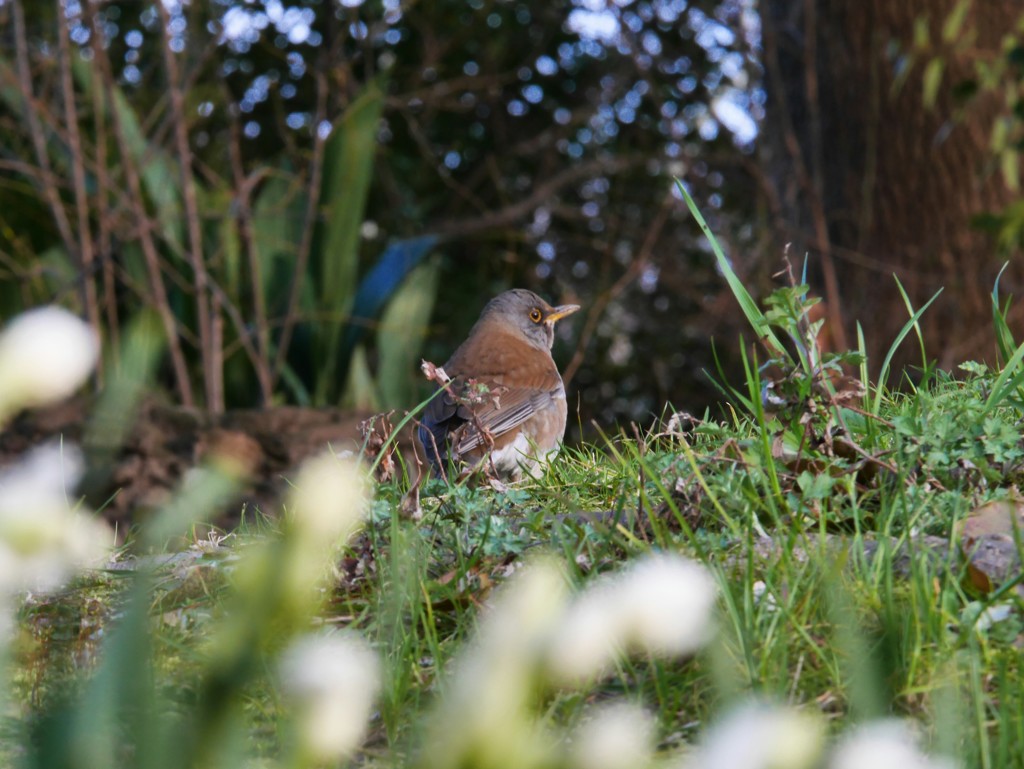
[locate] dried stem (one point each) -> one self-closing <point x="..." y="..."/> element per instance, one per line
<point x="215" y="387"/>
<point x="149" y="251"/>
<point x="38" y="136"/>
<point x="243" y="193"/>
<point x="308" y="224"/>
<point x="85" y="241"/>
<point x="193" y="223"/>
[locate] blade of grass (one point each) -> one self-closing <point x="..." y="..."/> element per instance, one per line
<point x="1007" y="380"/>
<point x="1004" y="337"/>
<point x="917" y="326"/>
<point x="746" y="301"/>
<point x="907" y="327"/>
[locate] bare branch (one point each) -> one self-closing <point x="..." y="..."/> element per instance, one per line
<point x="38" y="136"/>
<point x="195" y="236"/>
<point x="150" y="254"/>
<point x="308" y="224"/>
<point x="542" y="192"/>
<point x="85" y="241"/>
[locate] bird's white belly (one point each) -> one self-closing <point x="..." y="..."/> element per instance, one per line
<point x="521" y="456"/>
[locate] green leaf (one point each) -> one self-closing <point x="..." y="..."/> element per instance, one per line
<point x="932" y="79"/>
<point x="277" y="229"/>
<point x="348" y="171"/>
<point x="400" y="337"/>
<point x="1004" y="336"/>
<point x="360" y="389"/>
<point x="910" y="324"/>
<point x="815" y="486"/>
<point x="921" y="33"/>
<point x="1009" y="163"/>
<point x="955" y="21"/>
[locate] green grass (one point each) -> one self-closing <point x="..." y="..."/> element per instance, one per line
<point x="807" y="619"/>
<point x="824" y="506"/>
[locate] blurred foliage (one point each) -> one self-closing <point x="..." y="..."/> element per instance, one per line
<point x="535" y="141"/>
<point x="997" y="78"/>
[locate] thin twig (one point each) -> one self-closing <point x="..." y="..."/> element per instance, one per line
<point x="243" y="195"/>
<point x="149" y="251"/>
<point x="193" y="224"/>
<point x="542" y="192"/>
<point x="308" y="224"/>
<point x="598" y="307"/>
<point x="85" y="241"/>
<point x="38" y="136"/>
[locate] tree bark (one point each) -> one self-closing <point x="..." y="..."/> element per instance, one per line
<point x="871" y="181"/>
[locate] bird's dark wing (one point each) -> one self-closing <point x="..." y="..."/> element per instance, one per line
<point x="440" y="417"/>
<point x="503" y="414"/>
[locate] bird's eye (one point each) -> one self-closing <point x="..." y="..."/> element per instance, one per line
<point x="535" y="315"/>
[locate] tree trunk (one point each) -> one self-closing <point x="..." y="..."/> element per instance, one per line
<point x="870" y="181"/>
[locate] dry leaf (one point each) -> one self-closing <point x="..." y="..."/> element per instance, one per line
<point x="434" y="373"/>
<point x="988" y="539"/>
<point x="375" y="432"/>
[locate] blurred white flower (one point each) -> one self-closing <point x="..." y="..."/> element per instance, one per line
<point x="43" y="541"/>
<point x="45" y="354"/>
<point x="328" y="500"/>
<point x="589" y="639"/>
<point x="668" y="602"/>
<point x="332" y="679"/>
<point x="760" y="736"/>
<point x="486" y="716"/>
<point x="617" y="736"/>
<point x="662" y="604"/>
<point x="883" y="745"/>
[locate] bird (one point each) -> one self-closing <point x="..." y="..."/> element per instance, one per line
<point x="505" y="403"/>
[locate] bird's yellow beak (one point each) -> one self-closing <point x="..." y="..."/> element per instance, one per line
<point x="560" y="312"/>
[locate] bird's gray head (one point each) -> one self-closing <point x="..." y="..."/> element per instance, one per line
<point x="525" y="312"/>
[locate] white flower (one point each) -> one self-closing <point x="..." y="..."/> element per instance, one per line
<point x="45" y="354"/>
<point x="589" y="639"/>
<point x="486" y="717"/>
<point x="662" y="605"/>
<point x="617" y="736"/>
<point x="494" y="678"/>
<point x="332" y="679"/>
<point x="883" y="745"/>
<point x="327" y="502"/>
<point x="760" y="736"/>
<point x="668" y="603"/>
<point x="43" y="541"/>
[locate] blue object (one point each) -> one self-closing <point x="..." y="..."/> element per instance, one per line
<point x="379" y="285"/>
